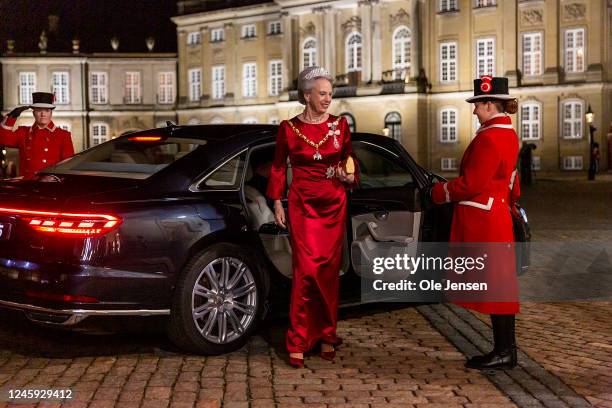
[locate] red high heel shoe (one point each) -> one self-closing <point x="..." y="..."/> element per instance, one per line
<point x="296" y="362"/>
<point x="328" y="355"/>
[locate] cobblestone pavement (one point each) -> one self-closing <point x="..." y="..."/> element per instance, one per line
<point x="393" y="355"/>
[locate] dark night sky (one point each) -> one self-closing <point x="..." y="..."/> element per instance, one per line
<point x="94" y="22"/>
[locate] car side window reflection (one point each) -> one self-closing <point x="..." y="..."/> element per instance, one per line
<point x="380" y="168"/>
<point x="228" y="176"/>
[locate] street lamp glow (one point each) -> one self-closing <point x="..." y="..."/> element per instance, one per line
<point x="385" y="132"/>
<point x="589" y="115"/>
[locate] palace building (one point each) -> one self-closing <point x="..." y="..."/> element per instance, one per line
<point x="405" y="67"/>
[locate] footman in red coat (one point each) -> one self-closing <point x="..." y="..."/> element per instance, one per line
<point x="483" y="193"/>
<point x="40" y="145"/>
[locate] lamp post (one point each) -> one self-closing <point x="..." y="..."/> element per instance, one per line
<point x="590" y="116"/>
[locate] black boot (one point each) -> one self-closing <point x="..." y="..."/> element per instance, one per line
<point x="503" y="356"/>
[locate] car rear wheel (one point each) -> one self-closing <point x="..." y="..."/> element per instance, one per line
<point x="218" y="301"/>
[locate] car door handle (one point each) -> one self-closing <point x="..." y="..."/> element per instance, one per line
<point x="381" y="215"/>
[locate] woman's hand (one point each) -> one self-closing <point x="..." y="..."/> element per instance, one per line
<point x="279" y="214"/>
<point x="343" y="176"/>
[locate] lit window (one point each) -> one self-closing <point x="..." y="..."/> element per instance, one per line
<point x="217" y="34"/>
<point x="574" y="50"/>
<point x="249" y="80"/>
<point x="572" y="163"/>
<point x="195" y="84"/>
<point x="485" y="57"/>
<point x="572" y="119"/>
<point x="448" y="5"/>
<point x="448" y="62"/>
<point x="448" y="164"/>
<point x="485" y="3"/>
<point x="99" y="133"/>
<point x="353" y="52"/>
<point x="274" y="28"/>
<point x="194" y="38"/>
<point x="27" y="85"/>
<point x="448" y="125"/>
<point x="276" y="77"/>
<point x="309" y="53"/>
<point x="530" y="121"/>
<point x="99" y="87"/>
<point x="218" y="82"/>
<point x="132" y="87"/>
<point x="401" y="48"/>
<point x="393" y="122"/>
<point x="248" y="31"/>
<point x="60" y="81"/>
<point x="532" y="54"/>
<point x="165" y="93"/>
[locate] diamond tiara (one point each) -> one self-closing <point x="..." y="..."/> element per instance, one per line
<point x="317" y="73"/>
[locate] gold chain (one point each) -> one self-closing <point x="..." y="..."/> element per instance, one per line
<point x="306" y="139"/>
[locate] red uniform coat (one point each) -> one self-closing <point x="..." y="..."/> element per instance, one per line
<point x="317" y="224"/>
<point x="38" y="147"/>
<point x="483" y="193"/>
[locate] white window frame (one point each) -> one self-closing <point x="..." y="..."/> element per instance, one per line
<point x="395" y="132"/>
<point x="403" y="58"/>
<point x="218" y="82"/>
<point x="249" y="79"/>
<point x="194" y="76"/>
<point x="574" y="56"/>
<point x="309" y="54"/>
<point x="573" y="163"/>
<point x="97" y="136"/>
<point x="445" y="129"/>
<point x="534" y="126"/>
<point x="100" y="84"/>
<point x="275" y="27"/>
<point x="194" y="38"/>
<point x="217" y="35"/>
<point x="575" y="122"/>
<point x="132" y="87"/>
<point x="487" y="59"/>
<point x="354" y="52"/>
<point x="60" y="85"/>
<point x="165" y="87"/>
<point x="27" y="86"/>
<point x="447" y="6"/>
<point x="536" y="163"/>
<point x="217" y="120"/>
<point x="448" y="65"/>
<point x="250" y="120"/>
<point x="249" y="31"/>
<point x="485" y="3"/>
<point x="275" y="77"/>
<point x="448" y="164"/>
<point x="533" y="56"/>
<point x="64" y="126"/>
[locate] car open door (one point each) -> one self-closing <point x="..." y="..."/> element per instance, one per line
<point x="384" y="211"/>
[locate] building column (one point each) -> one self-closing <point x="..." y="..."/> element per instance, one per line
<point x="330" y="39"/>
<point x="287" y="50"/>
<point x="376" y="41"/>
<point x="415" y="54"/>
<point x="231" y="70"/>
<point x="366" y="33"/>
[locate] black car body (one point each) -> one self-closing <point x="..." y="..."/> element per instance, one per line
<point x="166" y="222"/>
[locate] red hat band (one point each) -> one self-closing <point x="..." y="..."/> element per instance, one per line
<point x="485" y="85"/>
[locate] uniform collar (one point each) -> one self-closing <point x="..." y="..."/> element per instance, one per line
<point x="498" y="119"/>
<point x="50" y="126"/>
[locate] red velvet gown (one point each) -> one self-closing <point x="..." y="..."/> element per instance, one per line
<point x="317" y="224"/>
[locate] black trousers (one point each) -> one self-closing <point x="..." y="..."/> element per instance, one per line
<point x="503" y="332"/>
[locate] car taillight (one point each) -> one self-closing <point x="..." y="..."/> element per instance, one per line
<point x="85" y="225"/>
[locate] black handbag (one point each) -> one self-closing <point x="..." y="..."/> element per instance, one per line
<point x="522" y="238"/>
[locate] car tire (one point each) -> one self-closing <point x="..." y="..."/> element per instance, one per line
<point x="218" y="301"/>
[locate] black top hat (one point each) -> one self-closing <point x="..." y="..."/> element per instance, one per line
<point x="43" y="100"/>
<point x="488" y="87"/>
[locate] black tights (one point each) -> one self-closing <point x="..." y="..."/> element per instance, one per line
<point x="503" y="331"/>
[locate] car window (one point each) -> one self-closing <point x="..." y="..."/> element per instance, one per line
<point x="379" y="167"/>
<point x="136" y="157"/>
<point x="227" y="176"/>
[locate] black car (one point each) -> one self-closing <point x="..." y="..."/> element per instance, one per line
<point x="173" y="221"/>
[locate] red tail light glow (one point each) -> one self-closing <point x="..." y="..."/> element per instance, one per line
<point x="85" y="225"/>
<point x="145" y="138"/>
<point x="61" y="298"/>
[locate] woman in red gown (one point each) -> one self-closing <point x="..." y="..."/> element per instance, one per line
<point x="316" y="144"/>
